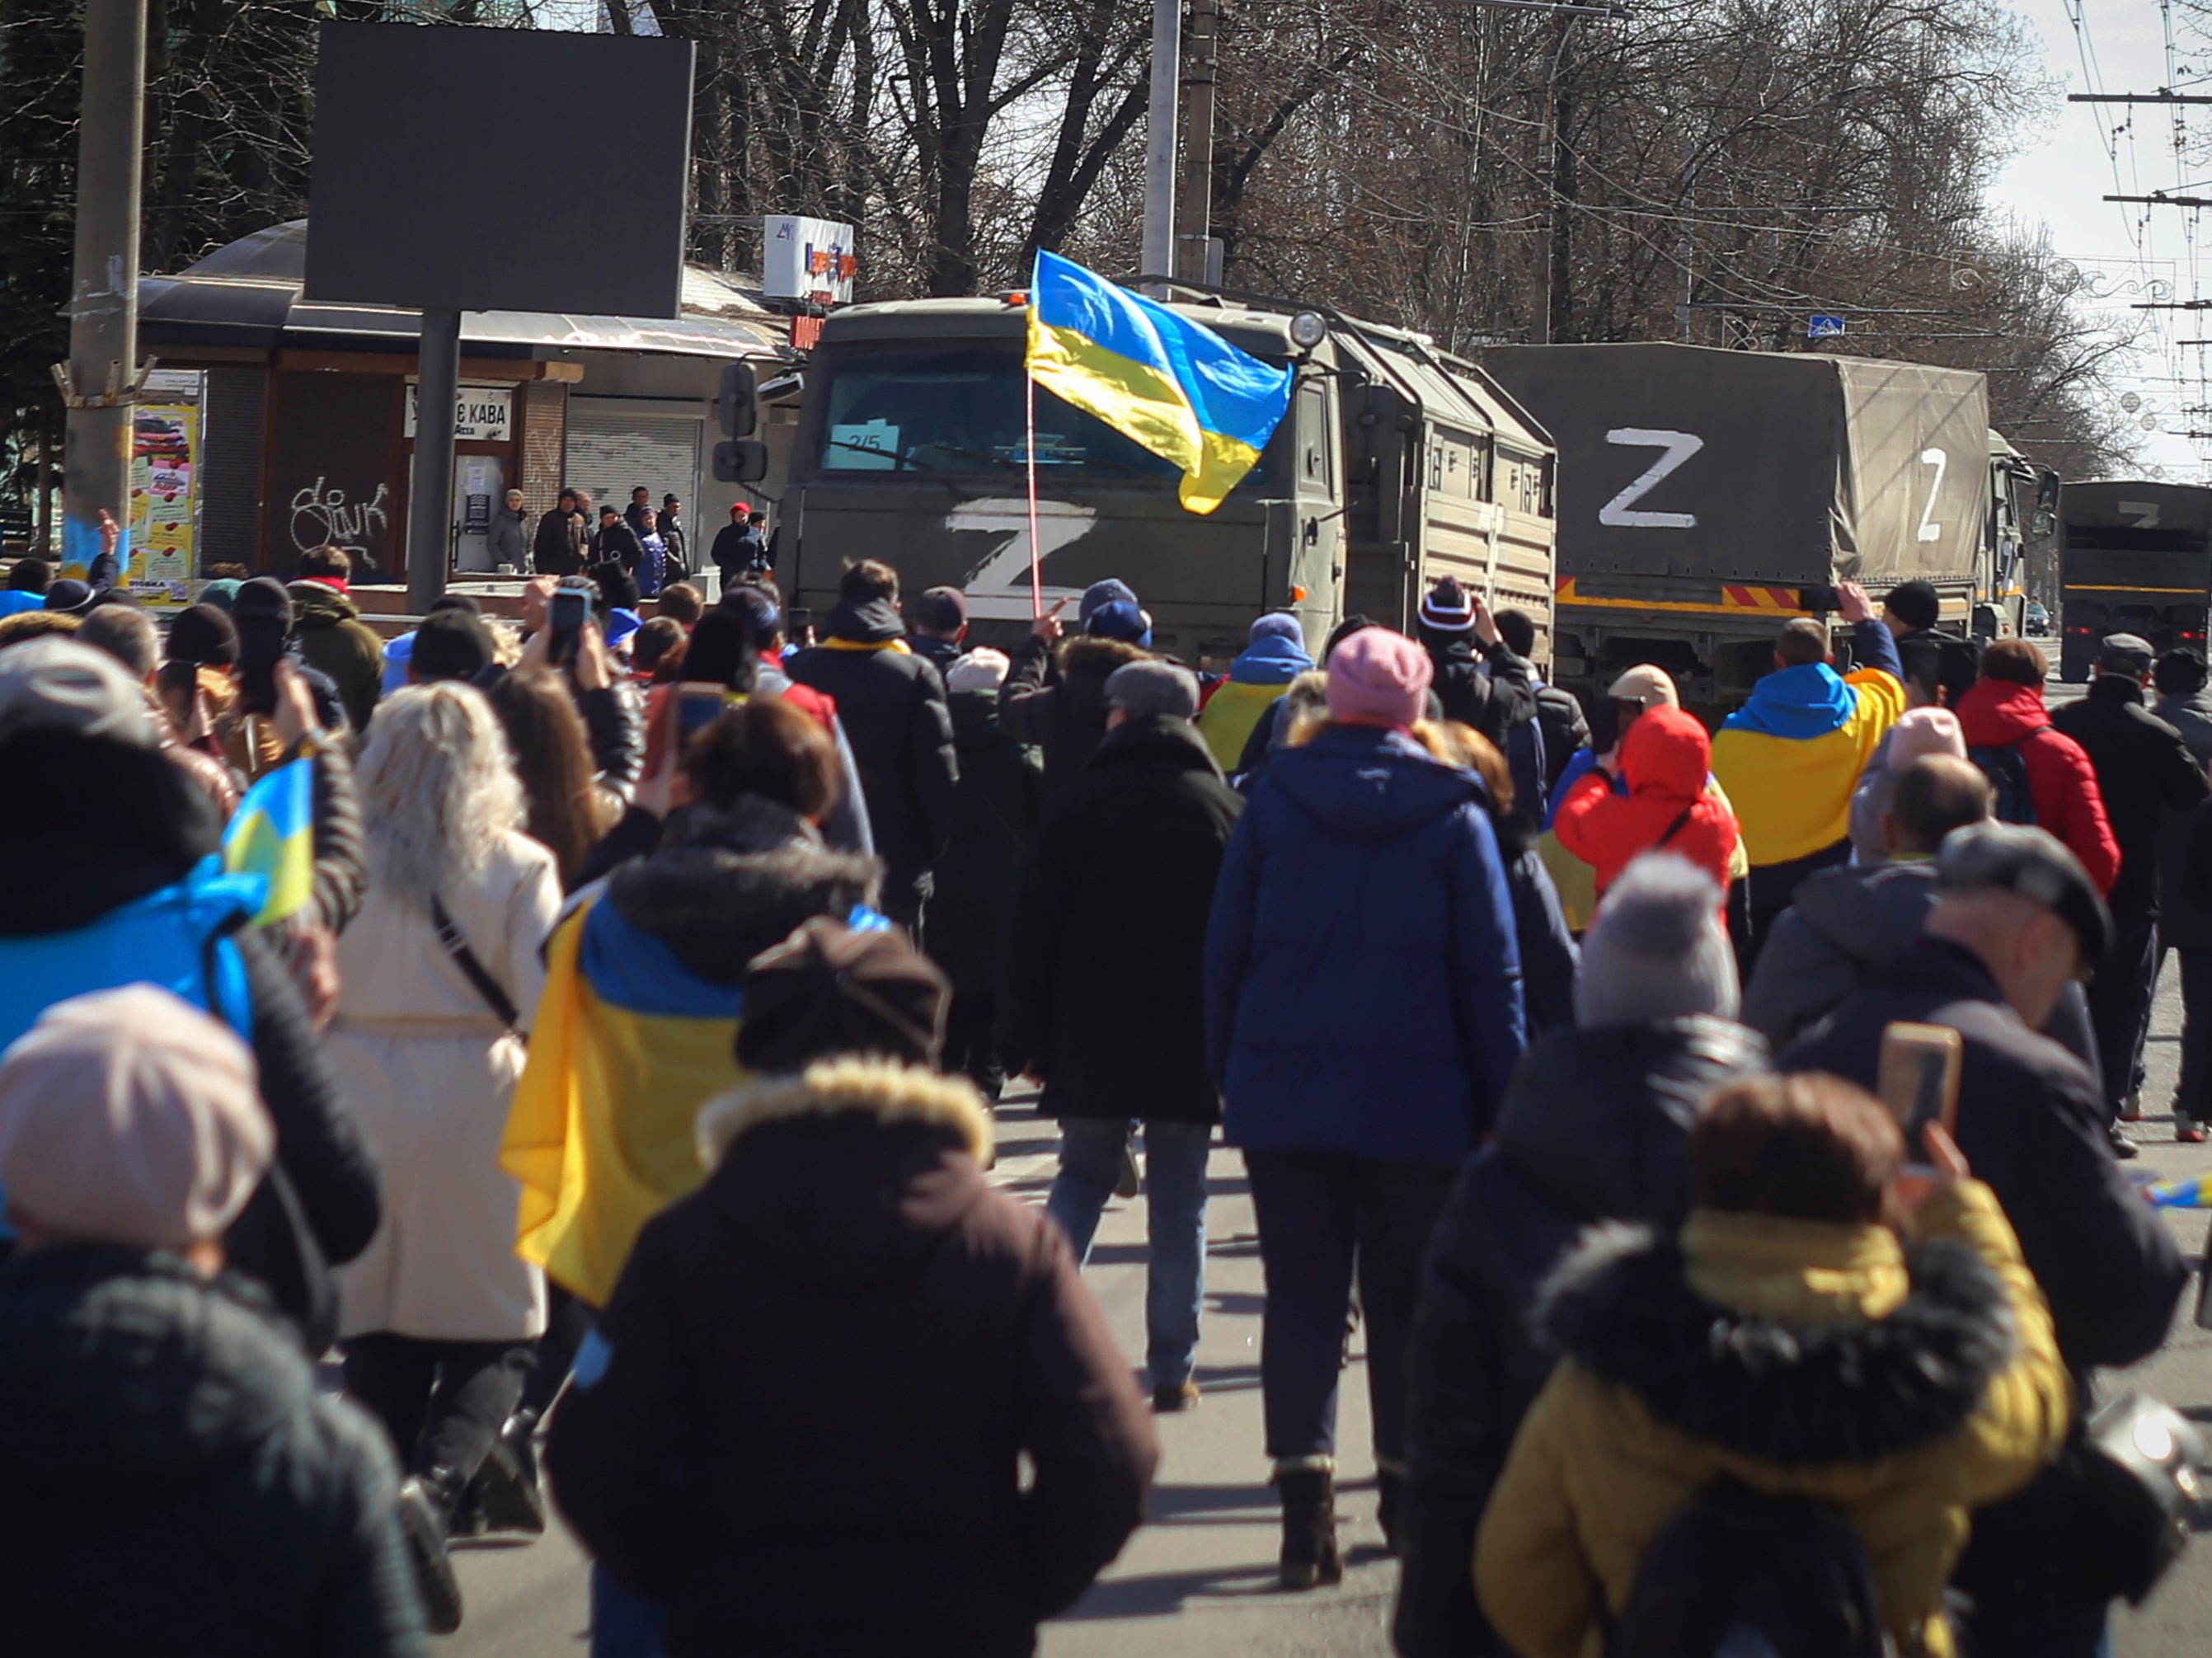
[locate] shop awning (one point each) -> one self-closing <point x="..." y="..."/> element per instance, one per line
<point x="248" y="293"/>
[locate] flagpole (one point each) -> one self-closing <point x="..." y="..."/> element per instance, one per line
<point x="1036" y="571"/>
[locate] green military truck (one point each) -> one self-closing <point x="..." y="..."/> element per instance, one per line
<point x="1396" y="464"/>
<point x="1711" y="495"/>
<point x="2134" y="558"/>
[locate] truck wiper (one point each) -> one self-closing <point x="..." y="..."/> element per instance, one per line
<point x="1004" y="463"/>
<point x="901" y="457"/>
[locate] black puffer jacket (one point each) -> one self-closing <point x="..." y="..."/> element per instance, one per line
<point x="1055" y="700"/>
<point x="110" y="826"/>
<point x="1595" y="1127"/>
<point x="848" y="1275"/>
<point x="2031" y="1127"/>
<point x="1102" y="991"/>
<point x="151" y="1417"/>
<point x="891" y="704"/>
<point x="994" y="810"/>
<point x="2144" y="771"/>
<point x="722" y="886"/>
<point x="1492" y="692"/>
<point x="1548" y="956"/>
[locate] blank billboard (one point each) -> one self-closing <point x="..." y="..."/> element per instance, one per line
<point x="460" y="168"/>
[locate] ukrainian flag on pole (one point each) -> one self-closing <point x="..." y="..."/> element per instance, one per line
<point x="272" y="834"/>
<point x="1172" y="385"/>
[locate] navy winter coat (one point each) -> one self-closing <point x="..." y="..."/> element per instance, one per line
<point x="1363" y="987"/>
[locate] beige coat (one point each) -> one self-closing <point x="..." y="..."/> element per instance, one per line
<point x="428" y="1071"/>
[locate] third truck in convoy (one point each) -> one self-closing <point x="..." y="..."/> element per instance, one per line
<point x="2134" y="558"/>
<point x="1708" y="496"/>
<point x="1397" y="465"/>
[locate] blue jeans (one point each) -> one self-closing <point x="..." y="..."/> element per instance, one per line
<point x="1175" y="1215"/>
<point x="623" y="1626"/>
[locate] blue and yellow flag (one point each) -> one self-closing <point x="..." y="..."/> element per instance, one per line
<point x="1172" y="385"/>
<point x="272" y="835"/>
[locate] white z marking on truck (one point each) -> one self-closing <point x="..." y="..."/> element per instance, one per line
<point x="998" y="584"/>
<point x="1676" y="448"/>
<point x="1929" y="529"/>
<point x="2145" y="514"/>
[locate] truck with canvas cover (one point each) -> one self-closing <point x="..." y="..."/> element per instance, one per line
<point x="1709" y="497"/>
<point x="1395" y="465"/>
<point x="2135" y="558"/>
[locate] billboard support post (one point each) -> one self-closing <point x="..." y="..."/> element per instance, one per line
<point x="100" y="382"/>
<point x="430" y="499"/>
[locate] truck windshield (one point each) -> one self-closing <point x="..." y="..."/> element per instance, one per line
<point x="926" y="407"/>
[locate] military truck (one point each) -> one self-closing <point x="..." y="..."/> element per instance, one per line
<point x="2136" y="558"/>
<point x="1396" y="464"/>
<point x="1712" y="496"/>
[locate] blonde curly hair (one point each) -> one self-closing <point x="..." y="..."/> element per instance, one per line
<point x="438" y="790"/>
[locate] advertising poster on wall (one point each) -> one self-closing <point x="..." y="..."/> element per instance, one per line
<point x="164" y="478"/>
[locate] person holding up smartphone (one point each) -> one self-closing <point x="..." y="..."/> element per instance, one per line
<point x="2016" y="918"/>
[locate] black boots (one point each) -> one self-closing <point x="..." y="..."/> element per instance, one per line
<point x="506" y="1489"/>
<point x="1309" y="1550"/>
<point x="1390" y="1504"/>
<point x="427" y="1502"/>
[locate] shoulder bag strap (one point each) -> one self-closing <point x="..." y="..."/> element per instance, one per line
<point x="488" y="987"/>
<point x="1676" y="828"/>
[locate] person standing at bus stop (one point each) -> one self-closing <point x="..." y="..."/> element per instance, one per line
<point x="1791" y="757"/>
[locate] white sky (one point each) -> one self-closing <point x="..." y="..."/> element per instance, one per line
<point x="2121" y="47"/>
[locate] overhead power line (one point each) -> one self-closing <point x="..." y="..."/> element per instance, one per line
<point x="2138" y="98"/>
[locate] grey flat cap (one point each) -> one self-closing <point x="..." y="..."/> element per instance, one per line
<point x="2016" y="858"/>
<point x="1165" y="690"/>
<point x="58" y="684"/>
<point x="2129" y="651"/>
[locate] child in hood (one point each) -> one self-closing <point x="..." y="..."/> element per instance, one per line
<point x="1665" y="760"/>
<point x="1262" y="673"/>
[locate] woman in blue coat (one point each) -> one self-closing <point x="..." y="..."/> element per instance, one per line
<point x="1364" y="1013"/>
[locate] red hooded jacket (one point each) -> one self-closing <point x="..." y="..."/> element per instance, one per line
<point x="1996" y="713"/>
<point x="1667" y="760"/>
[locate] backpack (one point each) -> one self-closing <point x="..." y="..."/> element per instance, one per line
<point x="1525" y="758"/>
<point x="2013" y="800"/>
<point x="1735" y="1574"/>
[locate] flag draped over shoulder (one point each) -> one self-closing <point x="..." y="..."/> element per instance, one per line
<point x="272" y="835"/>
<point x="1160" y="379"/>
<point x="627" y="1046"/>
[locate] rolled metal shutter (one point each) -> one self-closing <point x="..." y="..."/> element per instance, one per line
<point x="611" y="450"/>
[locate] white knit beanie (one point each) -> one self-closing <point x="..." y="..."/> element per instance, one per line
<point x="1658" y="949"/>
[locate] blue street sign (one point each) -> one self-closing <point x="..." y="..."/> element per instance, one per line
<point x="1825" y="328"/>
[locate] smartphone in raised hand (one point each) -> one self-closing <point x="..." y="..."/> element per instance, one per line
<point x="1919" y="1080"/>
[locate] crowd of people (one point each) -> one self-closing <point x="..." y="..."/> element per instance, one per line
<point x="615" y="1083"/>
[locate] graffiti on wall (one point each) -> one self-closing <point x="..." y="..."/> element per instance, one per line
<point x="323" y="517"/>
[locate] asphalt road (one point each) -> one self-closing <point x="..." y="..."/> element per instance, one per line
<point x="1199" y="1579"/>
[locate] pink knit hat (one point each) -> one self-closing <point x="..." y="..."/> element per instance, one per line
<point x="1379" y="678"/>
<point x="130" y="1117"/>
<point x="1923" y="732"/>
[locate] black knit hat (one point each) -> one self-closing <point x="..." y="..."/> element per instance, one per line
<point x="450" y="645"/>
<point x="203" y="634"/>
<point x="828" y="990"/>
<point x="262" y="595"/>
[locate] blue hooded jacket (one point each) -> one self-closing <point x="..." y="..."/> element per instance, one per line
<point x="1363" y="984"/>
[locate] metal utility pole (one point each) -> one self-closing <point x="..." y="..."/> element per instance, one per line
<point x="1559" y="309"/>
<point x="1160" y="139"/>
<point x="100" y="382"/>
<point x="1686" y="248"/>
<point x="1194" y="208"/>
<point x="430" y="504"/>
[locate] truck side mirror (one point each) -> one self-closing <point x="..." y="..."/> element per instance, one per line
<point x="742" y="461"/>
